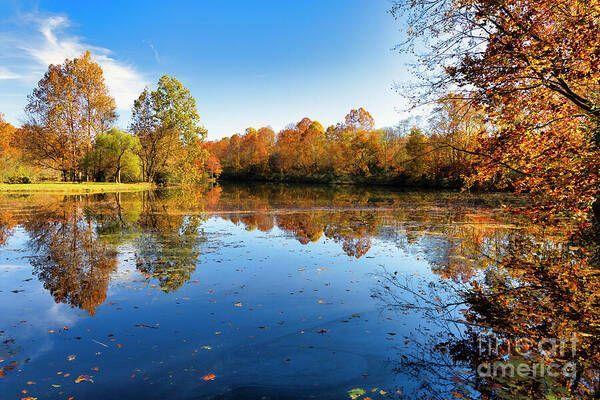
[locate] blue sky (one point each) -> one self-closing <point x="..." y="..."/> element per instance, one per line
<point x="247" y="63"/>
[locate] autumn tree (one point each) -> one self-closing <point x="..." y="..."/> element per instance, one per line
<point x="300" y="149"/>
<point x="7" y="132"/>
<point x="351" y="151"/>
<point x="313" y="149"/>
<point x="257" y="146"/>
<point x="65" y="112"/>
<point x="533" y="67"/>
<point x="167" y="124"/>
<point x="153" y="140"/>
<point x="416" y="148"/>
<point x="213" y="166"/>
<point x="11" y="167"/>
<point x="353" y="145"/>
<point x="359" y="119"/>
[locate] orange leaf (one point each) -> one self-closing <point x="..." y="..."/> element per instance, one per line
<point x="209" y="377"/>
<point x="84" y="378"/>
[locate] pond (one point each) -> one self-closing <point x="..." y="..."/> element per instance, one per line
<point x="247" y="291"/>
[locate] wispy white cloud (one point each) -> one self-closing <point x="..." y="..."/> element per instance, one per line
<point x="154" y="52"/>
<point x="47" y="41"/>
<point x="5" y="73"/>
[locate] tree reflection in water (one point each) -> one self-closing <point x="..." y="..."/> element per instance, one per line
<point x="491" y="279"/>
<point x="71" y="261"/>
<point x="76" y="238"/>
<point x="532" y="306"/>
<point x="167" y="248"/>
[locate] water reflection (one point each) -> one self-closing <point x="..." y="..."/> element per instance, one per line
<point x="75" y="239"/>
<point x="71" y="261"/>
<point x="526" y="327"/>
<point x="494" y="276"/>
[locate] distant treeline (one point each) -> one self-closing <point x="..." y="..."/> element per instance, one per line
<point x="355" y="152"/>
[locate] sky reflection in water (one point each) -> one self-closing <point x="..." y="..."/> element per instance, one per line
<point x="269" y="288"/>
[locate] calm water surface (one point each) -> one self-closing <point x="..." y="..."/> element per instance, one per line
<point x="235" y="292"/>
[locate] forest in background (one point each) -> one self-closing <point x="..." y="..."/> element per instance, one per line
<point x="354" y="151"/>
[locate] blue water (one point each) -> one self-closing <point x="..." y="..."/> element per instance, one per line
<point x="269" y="313"/>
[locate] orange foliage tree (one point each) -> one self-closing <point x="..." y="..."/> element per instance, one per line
<point x="533" y="68"/>
<point x="66" y="111"/>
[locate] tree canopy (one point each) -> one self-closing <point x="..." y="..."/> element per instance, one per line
<point x="67" y="109"/>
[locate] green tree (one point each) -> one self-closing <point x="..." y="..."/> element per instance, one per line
<point x="118" y="150"/>
<point x="167" y="123"/>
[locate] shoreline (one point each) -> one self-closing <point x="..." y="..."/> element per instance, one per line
<point x="74" y="187"/>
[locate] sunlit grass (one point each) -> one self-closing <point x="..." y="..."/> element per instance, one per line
<point x="70" y="187"/>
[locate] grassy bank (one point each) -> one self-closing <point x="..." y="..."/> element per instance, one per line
<point x="74" y="188"/>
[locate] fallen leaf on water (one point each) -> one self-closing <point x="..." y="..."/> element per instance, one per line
<point x="84" y="378"/>
<point x="209" y="377"/>
<point x="356" y="393"/>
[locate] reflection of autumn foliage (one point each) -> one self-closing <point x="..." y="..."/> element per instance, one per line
<point x="165" y="228"/>
<point x="349" y="216"/>
<point x="544" y="290"/>
<point x="213" y="196"/>
<point x="534" y="291"/>
<point x="6" y="225"/>
<point x="305" y="227"/>
<point x="71" y="262"/>
<point x="168" y="246"/>
<point x="262" y="222"/>
<point x="355" y="232"/>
